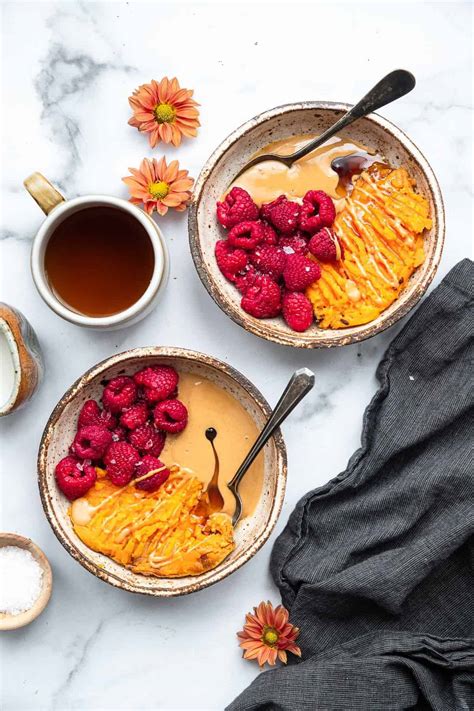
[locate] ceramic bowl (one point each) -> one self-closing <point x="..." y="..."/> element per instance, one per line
<point x="14" y="622"/>
<point x="250" y="534"/>
<point x="283" y="122"/>
<point x="24" y="370"/>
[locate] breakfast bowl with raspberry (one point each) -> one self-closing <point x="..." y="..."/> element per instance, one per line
<point x="328" y="252"/>
<point x="125" y="460"/>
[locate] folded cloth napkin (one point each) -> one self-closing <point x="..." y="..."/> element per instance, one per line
<point x="376" y="565"/>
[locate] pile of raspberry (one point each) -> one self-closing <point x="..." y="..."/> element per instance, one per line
<point x="125" y="436"/>
<point x="271" y="253"/>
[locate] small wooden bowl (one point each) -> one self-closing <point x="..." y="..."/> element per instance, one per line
<point x="306" y="118"/>
<point x="14" y="622"/>
<point x="26" y="356"/>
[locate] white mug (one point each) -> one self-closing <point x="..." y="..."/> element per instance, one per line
<point x="57" y="209"/>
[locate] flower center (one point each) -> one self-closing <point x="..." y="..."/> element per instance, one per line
<point x="159" y="190"/>
<point x="270" y="636"/>
<point x="164" y="113"/>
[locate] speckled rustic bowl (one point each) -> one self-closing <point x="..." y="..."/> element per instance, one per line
<point x="311" y="117"/>
<point x="250" y="534"/>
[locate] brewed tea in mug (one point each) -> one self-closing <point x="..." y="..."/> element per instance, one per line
<point x="99" y="261"/>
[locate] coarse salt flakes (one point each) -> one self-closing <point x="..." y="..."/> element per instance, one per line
<point x="21" y="580"/>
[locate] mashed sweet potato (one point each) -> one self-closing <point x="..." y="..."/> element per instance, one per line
<point x="157" y="533"/>
<point x="380" y="229"/>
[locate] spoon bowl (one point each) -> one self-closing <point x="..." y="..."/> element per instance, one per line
<point x="391" y="87"/>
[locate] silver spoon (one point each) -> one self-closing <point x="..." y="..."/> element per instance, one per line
<point x="391" y="87"/>
<point x="300" y="384"/>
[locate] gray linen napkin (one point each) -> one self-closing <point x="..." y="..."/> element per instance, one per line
<point x="376" y="565"/>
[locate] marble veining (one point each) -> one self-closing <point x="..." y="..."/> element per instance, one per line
<point x="65" y="75"/>
<point x="64" y="88"/>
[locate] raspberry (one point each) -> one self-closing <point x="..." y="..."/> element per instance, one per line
<point x="120" y="461"/>
<point x="269" y="260"/>
<point x="119" y="393"/>
<point x="119" y="434"/>
<point x="297" y="311"/>
<point x="230" y="260"/>
<point x="134" y="416"/>
<point x="246" y="278"/>
<point x="267" y="207"/>
<point x="317" y="211"/>
<point x="159" y="381"/>
<point x="283" y="214"/>
<point x="149" y="464"/>
<point x="246" y="235"/>
<point x="325" y="246"/>
<point x="300" y="272"/>
<point x="91" y="414"/>
<point x="148" y="440"/>
<point x="237" y="207"/>
<point x="171" y="416"/>
<point x="91" y="442"/>
<point x="294" y="244"/>
<point x="74" y="478"/>
<point x="269" y="234"/>
<point x="263" y="298"/>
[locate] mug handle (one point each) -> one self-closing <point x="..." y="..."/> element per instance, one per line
<point x="43" y="192"/>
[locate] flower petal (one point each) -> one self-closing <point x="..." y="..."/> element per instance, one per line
<point x="163" y="90"/>
<point x="160" y="168"/>
<point x="155" y="137"/>
<point x="175" y="135"/>
<point x="160" y="208"/>
<point x="190" y="113"/>
<point x="181" y="185"/>
<point x="281" y="617"/>
<point x="165" y="132"/>
<point x="144" y="115"/>
<point x="272" y="657"/>
<point x="263" y="655"/>
<point x="146" y="168"/>
<point x="251" y="644"/>
<point x="171" y="172"/>
<point x="294" y="649"/>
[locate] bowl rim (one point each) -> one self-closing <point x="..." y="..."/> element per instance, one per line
<point x="335" y="337"/>
<point x="225" y="568"/>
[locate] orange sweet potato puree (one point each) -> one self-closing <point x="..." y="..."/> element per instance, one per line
<point x="380" y="229"/>
<point x="158" y="533"/>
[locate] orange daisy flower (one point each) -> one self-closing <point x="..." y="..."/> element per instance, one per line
<point x="159" y="186"/>
<point x="165" y="111"/>
<point x="267" y="635"/>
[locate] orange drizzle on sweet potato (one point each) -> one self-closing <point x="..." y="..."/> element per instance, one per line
<point x="156" y="533"/>
<point x="380" y="229"/>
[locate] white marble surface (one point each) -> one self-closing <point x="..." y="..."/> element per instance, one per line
<point x="67" y="71"/>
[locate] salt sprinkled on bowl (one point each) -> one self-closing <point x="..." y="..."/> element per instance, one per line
<point x="21" y="580"/>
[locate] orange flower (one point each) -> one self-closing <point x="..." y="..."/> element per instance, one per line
<point x="159" y="186"/>
<point x="165" y="111"/>
<point x="267" y="635"/>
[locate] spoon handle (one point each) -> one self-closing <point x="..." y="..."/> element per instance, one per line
<point x="300" y="384"/>
<point x="391" y="87"/>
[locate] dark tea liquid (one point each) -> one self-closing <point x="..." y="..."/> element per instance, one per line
<point x="99" y="261"/>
